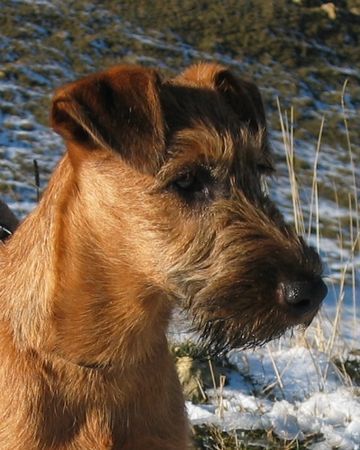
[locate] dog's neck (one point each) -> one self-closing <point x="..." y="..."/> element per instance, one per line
<point x="71" y="298"/>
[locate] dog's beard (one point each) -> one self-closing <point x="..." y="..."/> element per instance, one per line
<point x="229" y="289"/>
<point x="236" y="329"/>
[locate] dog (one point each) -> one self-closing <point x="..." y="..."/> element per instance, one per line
<point x="159" y="201"/>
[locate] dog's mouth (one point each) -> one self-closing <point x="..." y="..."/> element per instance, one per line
<point x="246" y="320"/>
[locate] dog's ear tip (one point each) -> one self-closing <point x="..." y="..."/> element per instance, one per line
<point x="58" y="112"/>
<point x="110" y="110"/>
<point x="59" y="103"/>
<point x="224" y="78"/>
<point x="65" y="117"/>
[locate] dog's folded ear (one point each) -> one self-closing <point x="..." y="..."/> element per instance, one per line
<point x="242" y="95"/>
<point x="117" y="110"/>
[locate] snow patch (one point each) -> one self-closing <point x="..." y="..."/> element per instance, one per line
<point x="297" y="392"/>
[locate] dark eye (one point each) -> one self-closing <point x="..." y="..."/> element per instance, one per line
<point x="193" y="185"/>
<point x="186" y="181"/>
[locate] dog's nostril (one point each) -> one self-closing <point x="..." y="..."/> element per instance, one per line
<point x="303" y="296"/>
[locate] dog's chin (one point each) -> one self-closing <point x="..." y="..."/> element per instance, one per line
<point x="241" y="329"/>
<point x="218" y="335"/>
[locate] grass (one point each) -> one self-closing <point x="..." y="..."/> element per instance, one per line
<point x="212" y="438"/>
<point x="351" y="241"/>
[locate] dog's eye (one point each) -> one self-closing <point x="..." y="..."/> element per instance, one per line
<point x="193" y="185"/>
<point x="186" y="181"/>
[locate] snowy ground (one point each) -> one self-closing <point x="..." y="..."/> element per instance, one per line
<point x="308" y="396"/>
<point x="291" y="388"/>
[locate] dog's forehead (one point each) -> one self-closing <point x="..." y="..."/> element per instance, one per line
<point x="202" y="126"/>
<point x="185" y="105"/>
<point x="199" y="113"/>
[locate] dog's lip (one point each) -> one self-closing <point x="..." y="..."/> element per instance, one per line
<point x="304" y="319"/>
<point x="302" y="310"/>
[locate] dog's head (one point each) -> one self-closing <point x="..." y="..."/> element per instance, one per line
<point x="177" y="169"/>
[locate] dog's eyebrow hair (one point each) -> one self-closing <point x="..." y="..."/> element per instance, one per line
<point x="171" y="170"/>
<point x="203" y="135"/>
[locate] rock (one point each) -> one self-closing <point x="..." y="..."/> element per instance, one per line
<point x="330" y="10"/>
<point x="190" y="376"/>
<point x="195" y="376"/>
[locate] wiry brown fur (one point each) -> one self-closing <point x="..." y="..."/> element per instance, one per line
<point x="91" y="276"/>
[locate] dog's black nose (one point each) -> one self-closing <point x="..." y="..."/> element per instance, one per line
<point x="302" y="296"/>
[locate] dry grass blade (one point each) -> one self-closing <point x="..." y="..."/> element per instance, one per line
<point x="351" y="158"/>
<point x="314" y="191"/>
<point x="288" y="140"/>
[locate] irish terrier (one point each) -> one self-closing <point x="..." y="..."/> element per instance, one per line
<point x="158" y="201"/>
